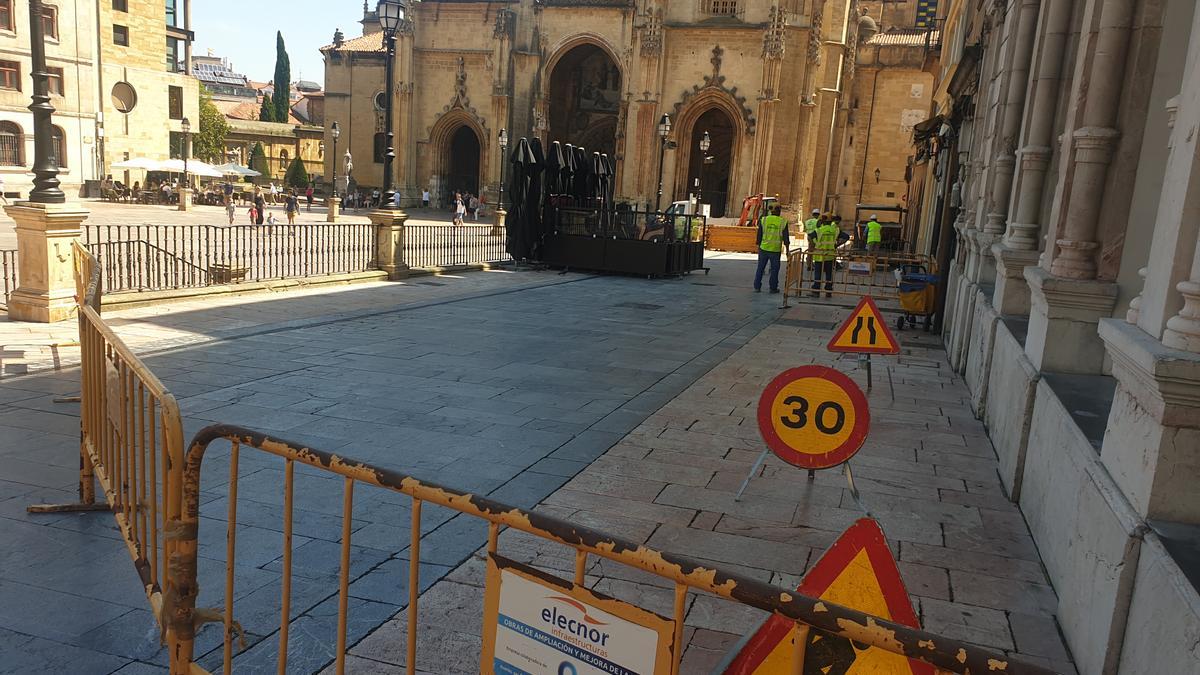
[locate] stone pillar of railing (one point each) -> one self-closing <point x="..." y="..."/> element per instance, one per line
<point x="45" y="267"/>
<point x="333" y="210"/>
<point x="389" y="242"/>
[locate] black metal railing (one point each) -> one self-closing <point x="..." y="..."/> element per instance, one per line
<point x="161" y="257"/>
<point x="432" y="246"/>
<point x="8" y="274"/>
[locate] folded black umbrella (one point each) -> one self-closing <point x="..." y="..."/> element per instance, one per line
<point x="517" y="239"/>
<point x="533" y="199"/>
<point x="583" y="174"/>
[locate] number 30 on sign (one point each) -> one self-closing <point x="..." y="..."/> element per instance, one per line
<point x="813" y="417"/>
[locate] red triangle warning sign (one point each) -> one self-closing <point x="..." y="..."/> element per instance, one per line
<point x="865" y="331"/>
<point x="859" y="572"/>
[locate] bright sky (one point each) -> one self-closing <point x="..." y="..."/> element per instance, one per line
<point x="243" y="31"/>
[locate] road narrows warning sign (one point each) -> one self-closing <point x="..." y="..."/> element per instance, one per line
<point x="813" y="417"/>
<point x="859" y="572"/>
<point x="865" y="331"/>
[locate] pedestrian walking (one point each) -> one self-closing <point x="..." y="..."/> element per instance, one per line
<point x="274" y="193"/>
<point x="253" y="213"/>
<point x="308" y="196"/>
<point x="460" y="209"/>
<point x="425" y="198"/>
<point x="824" y="256"/>
<point x="874" y="234"/>
<point x="292" y="206"/>
<point x="260" y="206"/>
<point x="230" y="209"/>
<point x="772" y="240"/>
<point x="475" y="207"/>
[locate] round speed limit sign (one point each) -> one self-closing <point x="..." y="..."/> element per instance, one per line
<point x="813" y="417"/>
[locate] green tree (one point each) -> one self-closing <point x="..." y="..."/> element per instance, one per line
<point x="258" y="161"/>
<point x="297" y="175"/>
<point x="267" y="112"/>
<point x="209" y="143"/>
<point x="283" y="78"/>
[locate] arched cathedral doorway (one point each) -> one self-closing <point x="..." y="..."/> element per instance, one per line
<point x="585" y="99"/>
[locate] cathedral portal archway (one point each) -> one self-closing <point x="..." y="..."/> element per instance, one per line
<point x="462" y="161"/>
<point x="713" y="168"/>
<point x="584" y="99"/>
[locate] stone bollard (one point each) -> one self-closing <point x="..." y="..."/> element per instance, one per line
<point x="185" y="198"/>
<point x="498" y="226"/>
<point x="46" y="268"/>
<point x="334" y="205"/>
<point x="389" y="241"/>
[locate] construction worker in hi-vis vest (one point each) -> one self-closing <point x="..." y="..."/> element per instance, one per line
<point x="824" y="256"/>
<point x="772" y="240"/>
<point x="810" y="228"/>
<point x="874" y="234"/>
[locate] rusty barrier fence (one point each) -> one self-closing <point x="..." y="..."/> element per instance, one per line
<point x="130" y="442"/>
<point x="162" y="257"/>
<point x="685" y="575"/>
<point x="851" y="273"/>
<point x="440" y="246"/>
<point x="8" y="275"/>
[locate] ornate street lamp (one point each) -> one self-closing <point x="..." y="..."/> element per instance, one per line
<point x="391" y="15"/>
<point x="45" y="164"/>
<point x="334" y="132"/>
<point x="185" y="188"/>
<point x="503" y="155"/>
<point x="664" y="130"/>
<point x="705" y="144"/>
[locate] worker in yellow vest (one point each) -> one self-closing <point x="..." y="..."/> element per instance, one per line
<point x="810" y="228"/>
<point x="874" y="234"/>
<point x="824" y="255"/>
<point x="772" y="241"/>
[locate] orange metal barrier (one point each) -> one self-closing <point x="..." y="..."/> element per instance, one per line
<point x="855" y="273"/>
<point x="131" y="442"/>
<point x="686" y="575"/>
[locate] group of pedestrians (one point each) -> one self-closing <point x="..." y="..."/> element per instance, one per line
<point x="823" y="234"/>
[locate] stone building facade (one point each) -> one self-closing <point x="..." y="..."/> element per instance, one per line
<point x="1063" y="190"/>
<point x="143" y="79"/>
<point x="763" y="77"/>
<point x="71" y="58"/>
<point x="282" y="143"/>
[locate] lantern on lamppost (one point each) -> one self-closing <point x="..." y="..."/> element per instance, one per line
<point x="705" y="144"/>
<point x="664" y="130"/>
<point x="501" y="214"/>
<point x="391" y="15"/>
<point x="185" y="191"/>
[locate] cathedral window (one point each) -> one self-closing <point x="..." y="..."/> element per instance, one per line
<point x="721" y="7"/>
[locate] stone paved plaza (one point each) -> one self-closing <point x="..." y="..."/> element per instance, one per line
<point x="620" y="403"/>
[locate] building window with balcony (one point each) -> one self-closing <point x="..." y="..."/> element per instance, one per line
<point x="121" y="35"/>
<point x="121" y="5"/>
<point x="720" y="7"/>
<point x="58" y="146"/>
<point x="6" y="15"/>
<point x="10" y="75"/>
<point x="12" y="145"/>
<point x="174" y="55"/>
<point x="50" y="21"/>
<point x="54" y="81"/>
<point x="175" y="102"/>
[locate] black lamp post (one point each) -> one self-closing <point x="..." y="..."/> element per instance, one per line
<point x="705" y="144"/>
<point x="503" y="154"/>
<point x="664" y="130"/>
<point x="391" y="14"/>
<point x="334" y="132"/>
<point x="186" y="126"/>
<point x="45" y="163"/>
